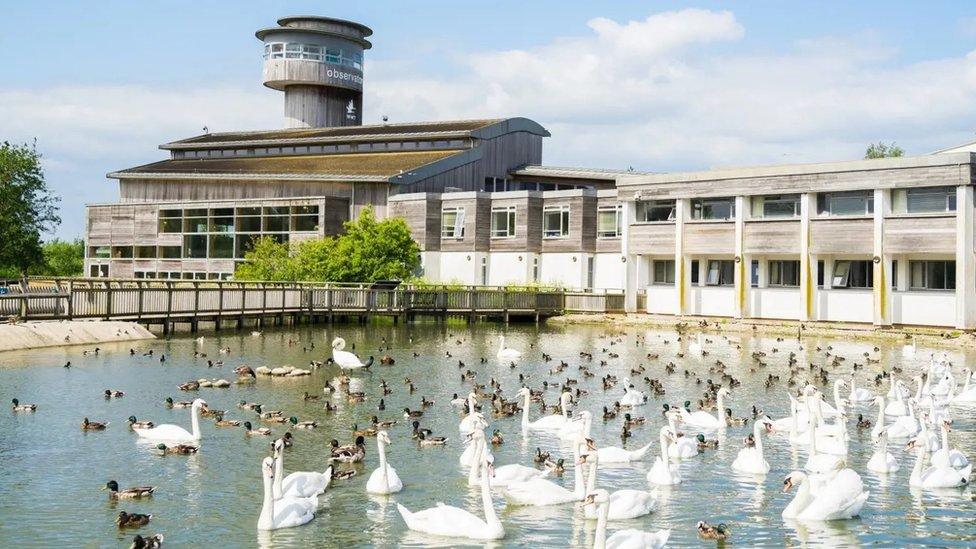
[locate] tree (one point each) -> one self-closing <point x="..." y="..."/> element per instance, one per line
<point x="883" y="150"/>
<point x="62" y="258"/>
<point x="267" y="260"/>
<point x="27" y="207"/>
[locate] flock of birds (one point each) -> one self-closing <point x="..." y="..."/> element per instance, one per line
<point x="826" y="488"/>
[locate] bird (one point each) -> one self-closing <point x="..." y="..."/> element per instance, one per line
<point x="126" y="520"/>
<point x="18" y="407"/>
<point x="707" y="531"/>
<point x="154" y="541"/>
<point x="128" y="493"/>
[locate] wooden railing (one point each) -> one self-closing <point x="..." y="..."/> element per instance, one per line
<point x="149" y="300"/>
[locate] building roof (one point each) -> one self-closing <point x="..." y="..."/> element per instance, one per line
<point x="558" y="172"/>
<point x="481" y="128"/>
<point x="327" y="167"/>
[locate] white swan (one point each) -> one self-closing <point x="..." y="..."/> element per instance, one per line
<point x="345" y="359"/>
<point x="858" y="394"/>
<point x="612" y="454"/>
<point x="300" y="484"/>
<point x="896" y="387"/>
<point x="286" y="512"/>
<point x="966" y="395"/>
<point x="632" y="397"/>
<point x="797" y="417"/>
<point x="553" y="422"/>
<point x="623" y="504"/>
<point x="704" y="420"/>
<point x="504" y="475"/>
<point x="663" y="472"/>
<point x="908" y="351"/>
<point x="948" y="457"/>
<point x="622" y="539"/>
<point x="897" y="405"/>
<point x="174" y="433"/>
<point x="450" y="521"/>
<point x="507" y="353"/>
<point x="542" y="492"/>
<point x="751" y="460"/>
<point x="469" y="457"/>
<point x="926" y="437"/>
<point x="681" y="447"/>
<point x="882" y="461"/>
<point x="577" y="427"/>
<point x="471" y="421"/>
<point x="820" y="463"/>
<point x="384" y="479"/>
<point x="905" y="426"/>
<point x="840" y="497"/>
<point x="936" y="476"/>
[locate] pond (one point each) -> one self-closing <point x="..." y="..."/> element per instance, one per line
<point x="51" y="471"/>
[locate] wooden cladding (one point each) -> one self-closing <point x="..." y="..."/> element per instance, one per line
<point x="841" y="236"/>
<point x="915" y="235"/>
<point x="709" y="238"/>
<point x="652" y="239"/>
<point x="771" y="237"/>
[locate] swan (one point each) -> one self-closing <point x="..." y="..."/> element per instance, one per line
<point x="623" y="504"/>
<point x="345" y="359"/>
<point x="622" y="539"/>
<point x="897" y="405"/>
<point x="820" y="463"/>
<point x="833" y="436"/>
<point x="837" y="498"/>
<point x="944" y="388"/>
<point x="663" y="472"/>
<point x="541" y="491"/>
<point x="966" y="395"/>
<point x="704" y="420"/>
<point x="936" y="476"/>
<point x="546" y="423"/>
<point x="507" y="353"/>
<point x="858" y="394"/>
<point x="175" y="433"/>
<point x="840" y="407"/>
<point x="928" y="438"/>
<point x="470" y="422"/>
<point x="450" y="521"/>
<point x="632" y="397"/>
<point x="612" y="454"/>
<point x="285" y="512"/>
<point x="905" y="426"/>
<point x="576" y="427"/>
<point x="682" y="447"/>
<point x="882" y="461"/>
<point x="751" y="460"/>
<point x="948" y="457"/>
<point x="908" y="351"/>
<point x="504" y="475"/>
<point x="384" y="479"/>
<point x="469" y="456"/>
<point x="300" y="484"/>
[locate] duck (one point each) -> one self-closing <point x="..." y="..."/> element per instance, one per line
<point x="427" y="440"/>
<point x="733" y="421"/>
<point x="154" y="541"/>
<point x="129" y="493"/>
<point x="496" y="438"/>
<point x="408" y="413"/>
<point x="622" y="539"/>
<point x="703" y="444"/>
<point x="540" y="456"/>
<point x="219" y="421"/>
<point x="707" y="531"/>
<point x="302" y="424"/>
<point x="134" y="424"/>
<point x="177" y="449"/>
<point x="623" y="504"/>
<point x="128" y="520"/>
<point x="839" y="496"/>
<point x="343" y="475"/>
<point x="750" y="460"/>
<point x="87" y="425"/>
<point x="384" y="480"/>
<point x="18" y="407"/>
<point x="260" y="431"/>
<point x="386" y="424"/>
<point x="557" y="467"/>
<point x="881" y="460"/>
<point x="285" y="512"/>
<point x="299" y="484"/>
<point x="174" y="433"/>
<point x="367" y="432"/>
<point x="355" y="454"/>
<point x="663" y="472"/>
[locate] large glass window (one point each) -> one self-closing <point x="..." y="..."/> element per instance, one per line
<point x="694" y="271"/>
<point x="503" y="222"/>
<point x="846" y="203"/>
<point x="713" y="208"/>
<point x="170" y="221"/>
<point x="853" y="274"/>
<point x="784" y="273"/>
<point x="774" y="206"/>
<point x="721" y="272"/>
<point x="122" y="252"/>
<point x="221" y="246"/>
<point x="655" y="210"/>
<point x="195" y="246"/>
<point x="555" y="221"/>
<point x="145" y="252"/>
<point x="609" y="221"/>
<point x="170" y="252"/>
<point x="452" y="223"/>
<point x="924" y="200"/>
<point x="932" y="275"/>
<point x="663" y="271"/>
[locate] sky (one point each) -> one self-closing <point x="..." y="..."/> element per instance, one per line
<point x="652" y="85"/>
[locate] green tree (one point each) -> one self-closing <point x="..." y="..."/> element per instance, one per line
<point x="61" y="258"/>
<point x="883" y="150"/>
<point x="27" y="208"/>
<point x="267" y="260"/>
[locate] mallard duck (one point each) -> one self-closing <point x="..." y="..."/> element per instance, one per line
<point x="221" y="422"/>
<point x="705" y="444"/>
<point x="18" y="407"/>
<point x="608" y="414"/>
<point x="149" y="542"/>
<point x="707" y="531"/>
<point x="633" y="421"/>
<point x="261" y="431"/>
<point x="558" y="467"/>
<point x="418" y="430"/>
<point x="367" y="432"/>
<point x="329" y="407"/>
<point x="191" y="385"/>
<point x="302" y="424"/>
<point x="387" y="360"/>
<point x="625" y="432"/>
<point x="350" y="455"/>
<point x="179" y="449"/>
<point x="125" y="520"/>
<point x="426" y="440"/>
<point x="496" y="438"/>
<point x="732" y="420"/>
<point x="183" y="404"/>
<point x="93" y="425"/>
<point x="133" y="424"/>
<point x="356" y="397"/>
<point x="287" y="440"/>
<point x="863" y="423"/>
<point x="426" y="402"/>
<point x="383" y="424"/>
<point x="343" y="475"/>
<point x="414" y="413"/>
<point x="128" y="493"/>
<point x="245" y="405"/>
<point x="540" y="456"/>
<point x="113" y="394"/>
<point x="307" y="396"/>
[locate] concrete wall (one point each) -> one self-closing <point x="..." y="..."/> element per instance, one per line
<point x="508" y="268"/>
<point x="847" y="305"/>
<point x="782" y="303"/>
<point x="930" y="308"/>
<point x="609" y="271"/>
<point x="564" y="269"/>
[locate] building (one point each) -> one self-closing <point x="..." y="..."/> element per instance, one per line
<point x="868" y="241"/>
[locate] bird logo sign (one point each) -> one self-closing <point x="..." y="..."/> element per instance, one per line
<point x="351" y="110"/>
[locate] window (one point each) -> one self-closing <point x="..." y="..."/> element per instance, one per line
<point x="535" y="269"/>
<point x="101" y="252"/>
<point x="170" y="221"/>
<point x="195" y="246"/>
<point x="221" y="246"/>
<point x="853" y="274"/>
<point x="784" y="273"/>
<point x="663" y="271"/>
<point x="932" y="275"/>
<point x="820" y="273"/>
<point x="773" y="206"/>
<point x="754" y="273"/>
<point x="496" y="185"/>
<point x="452" y="223"/>
<point x="121" y="252"/>
<point x="894" y="274"/>
<point x="145" y="252"/>
<point x="503" y="222"/>
<point x="484" y="271"/>
<point x="170" y="252"/>
<point x="655" y="210"/>
<point x="694" y="271"/>
<point x="713" y="208"/>
<point x="721" y="272"/>
<point x="333" y="55"/>
<point x="847" y="203"/>
<point x="609" y="221"/>
<point x="555" y="221"/>
<point x="924" y="200"/>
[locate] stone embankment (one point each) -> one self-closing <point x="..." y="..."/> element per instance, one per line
<point x="32" y="335"/>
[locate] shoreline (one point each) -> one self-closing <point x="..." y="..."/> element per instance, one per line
<point x="23" y="336"/>
<point x="946" y="337"/>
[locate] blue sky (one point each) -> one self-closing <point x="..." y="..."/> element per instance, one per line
<point x="655" y="85"/>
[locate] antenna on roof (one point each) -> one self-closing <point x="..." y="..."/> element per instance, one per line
<point x="385" y="118"/>
<point x="205" y="129"/>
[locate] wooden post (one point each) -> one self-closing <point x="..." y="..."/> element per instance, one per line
<point x="71" y="299"/>
<point x="108" y="300"/>
<point x="139" y="305"/>
<point x="220" y="304"/>
<point x="240" y="319"/>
